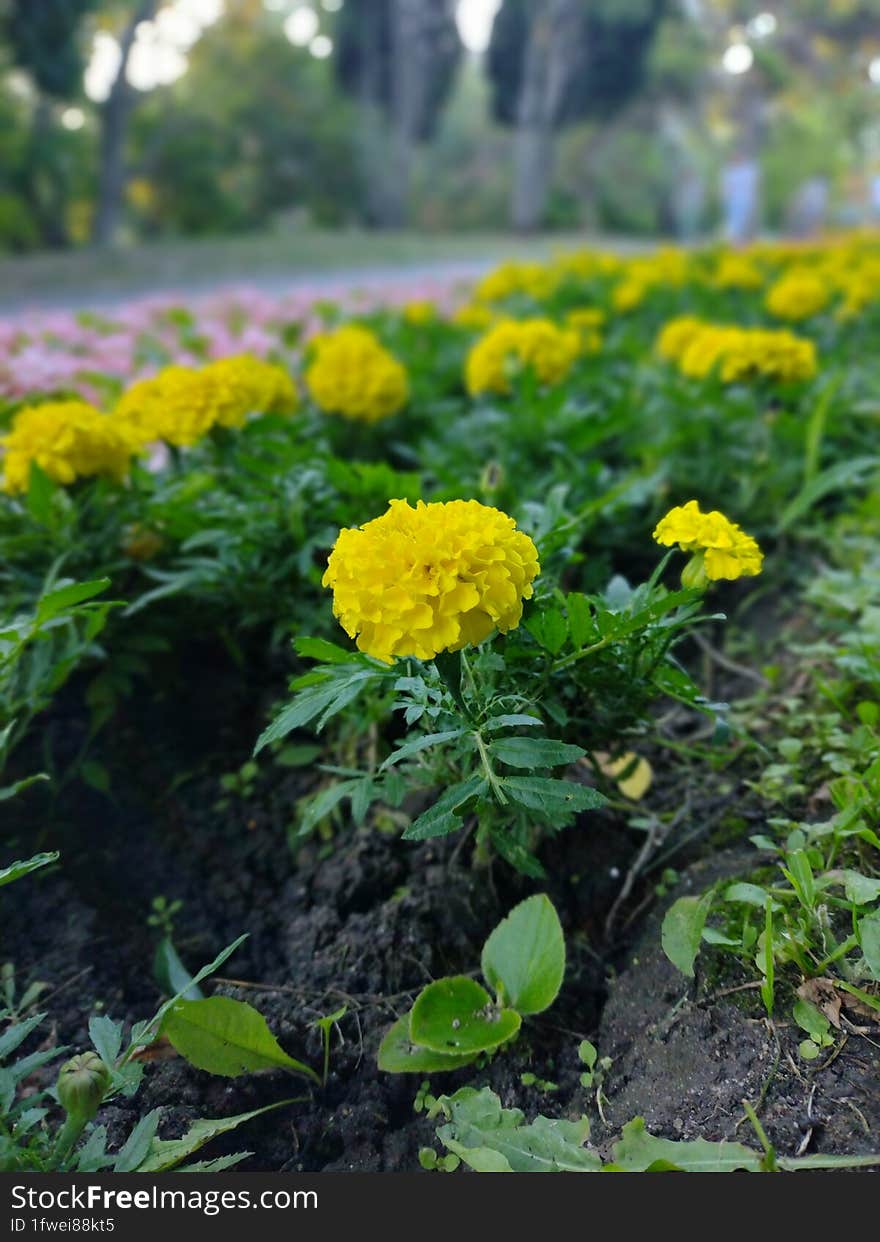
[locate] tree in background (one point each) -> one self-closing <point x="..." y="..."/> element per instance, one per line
<point x="397" y="59"/>
<point x="43" y="41"/>
<point x="553" y="62"/>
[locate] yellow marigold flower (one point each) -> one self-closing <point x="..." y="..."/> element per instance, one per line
<point x="798" y="294"/>
<point x="68" y="440"/>
<point x="514" y="345"/>
<point x="352" y="374"/>
<point x="719" y="548"/>
<point x="587" y="321"/>
<point x="748" y="353"/>
<point x="419" y="313"/>
<point x="511" y="278"/>
<point x="437" y="577"/>
<point x="246" y="385"/>
<point x="629" y="294"/>
<point x="178" y="405"/>
<point x="676" y="335"/>
<point x="474" y="316"/>
<point x="736" y="271"/>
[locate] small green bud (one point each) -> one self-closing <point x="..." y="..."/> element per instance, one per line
<point x="694" y="576"/>
<point x="492" y="477"/>
<point x="82" y="1085"/>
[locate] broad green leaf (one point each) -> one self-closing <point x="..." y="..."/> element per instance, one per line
<point x="16" y="870"/>
<point x="492" y="1139"/>
<point x="748" y="894"/>
<point x="551" y="796"/>
<point x="143" y="1032"/>
<point x="858" y="888"/>
<point x="580" y="619"/>
<point x="637" y="1151"/>
<point x="534" y="752"/>
<point x="524" y="958"/>
<point x="322" y="650"/>
<point x="458" y="1016"/>
<point x="811" y="1020"/>
<point x="166" y="1154"/>
<point x="549" y="629"/>
<point x="869" y="936"/>
<point x="443" y="818"/>
<point x="226" y="1037"/>
<point x="683" y="929"/>
<point x="399" y="1055"/>
<point x="13" y="790"/>
<point x="511" y="721"/>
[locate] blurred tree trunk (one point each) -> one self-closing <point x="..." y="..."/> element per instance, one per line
<point x="115" y="115"/>
<point x="550" y="60"/>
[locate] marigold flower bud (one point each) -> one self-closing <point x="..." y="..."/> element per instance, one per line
<point x="82" y="1085"/>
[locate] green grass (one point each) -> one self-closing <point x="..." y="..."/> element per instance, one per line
<point x="266" y="258"/>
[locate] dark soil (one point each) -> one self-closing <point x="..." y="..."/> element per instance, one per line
<point x="365" y="922"/>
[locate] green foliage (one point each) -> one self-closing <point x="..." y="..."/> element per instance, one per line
<point x="454" y="1019"/>
<point x="226" y="1037"/>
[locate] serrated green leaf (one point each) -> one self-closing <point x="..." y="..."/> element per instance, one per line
<point x="418" y="744"/>
<point x="458" y="1016"/>
<point x="637" y="1151"/>
<point x="16" y="870"/>
<point x="492" y="1139"/>
<point x="443" y="817"/>
<point x="551" y="796"/>
<point x="523" y="959"/>
<point x="226" y="1037"/>
<point x="534" y="752"/>
<point x="166" y="1154"/>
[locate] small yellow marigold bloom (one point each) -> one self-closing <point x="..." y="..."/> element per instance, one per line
<point x="515" y="345"/>
<point x="736" y="271"/>
<point x="419" y="313"/>
<point x="720" y="548"/>
<point x="676" y="335"/>
<point x="474" y="316"/>
<point x="437" y="577"/>
<point x="511" y="278"/>
<point x="629" y="294"/>
<point x="352" y="374"/>
<point x="68" y="440"/>
<point x="178" y="405"/>
<point x="587" y="321"/>
<point x="748" y="353"/>
<point x="798" y="294"/>
<point x="246" y="385"/>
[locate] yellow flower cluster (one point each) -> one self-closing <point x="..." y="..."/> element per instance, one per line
<point x="437" y="577"/>
<point x="68" y="440"/>
<point x="516" y="345"/>
<point x="181" y="404"/>
<point x="534" y="280"/>
<point x="419" y="313"/>
<point x="719" y="548"/>
<point x="798" y="294"/>
<point x="352" y="374"/>
<point x="676" y="335"/>
<point x="736" y="354"/>
<point x="587" y="321"/>
<point x="736" y="271"/>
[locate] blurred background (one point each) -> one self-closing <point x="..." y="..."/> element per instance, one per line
<point x="332" y="124"/>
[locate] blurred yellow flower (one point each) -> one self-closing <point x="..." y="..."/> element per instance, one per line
<point x="352" y="374"/>
<point x="516" y="345"/>
<point x="419" y="313"/>
<point x="246" y="385"/>
<point x="676" y="335"/>
<point x="176" y="405"/>
<point x="437" y="577"/>
<point x="748" y="353"/>
<point x="587" y="321"/>
<point x="736" y="271"/>
<point x="798" y="294"/>
<point x="68" y="440"/>
<point x="719" y="548"/>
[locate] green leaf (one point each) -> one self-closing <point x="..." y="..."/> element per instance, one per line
<point x="458" y="1016"/>
<point x="66" y="597"/>
<point x="534" y="752"/>
<point x="869" y="938"/>
<point x="549" y="629"/>
<point x="580" y="619"/>
<point x="217" y="1165"/>
<point x="17" y="1033"/>
<point x="171" y="974"/>
<point x="524" y="958"/>
<point x="323" y="651"/>
<point x="399" y="1055"/>
<point x="138" y="1145"/>
<point x="418" y="744"/>
<point x="166" y="1154"/>
<point x="552" y="796"/>
<point x="323" y="693"/>
<point x="811" y="1020"/>
<point x="683" y="929"/>
<point x="839" y="477"/>
<point x="17" y="787"/>
<point x="748" y="894"/>
<point x="492" y="1139"/>
<point x="858" y="888"/>
<point x="226" y="1037"/>
<point x="16" y="870"/>
<point x="106" y="1035"/>
<point x="638" y="1151"/>
<point x="145" y="1032"/>
<point x="513" y="721"/>
<point x="443" y="817"/>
